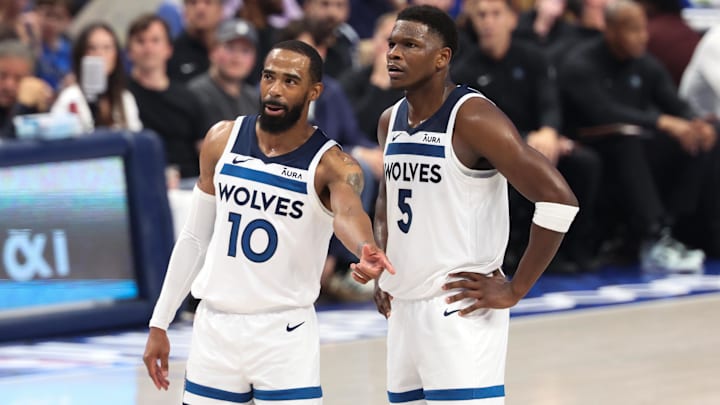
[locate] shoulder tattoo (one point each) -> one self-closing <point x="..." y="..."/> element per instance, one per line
<point x="355" y="180"/>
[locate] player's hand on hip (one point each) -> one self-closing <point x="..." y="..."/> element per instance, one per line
<point x="382" y="301"/>
<point x="157" y="349"/>
<point x="488" y="291"/>
<point x="372" y="263"/>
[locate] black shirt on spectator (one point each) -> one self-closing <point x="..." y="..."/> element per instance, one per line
<point x="522" y="84"/>
<point x="7" y="127"/>
<point x="556" y="39"/>
<point x="598" y="89"/>
<point x="177" y="117"/>
<point x="340" y="56"/>
<point x="219" y="105"/>
<point x="190" y="58"/>
<point x="368" y="101"/>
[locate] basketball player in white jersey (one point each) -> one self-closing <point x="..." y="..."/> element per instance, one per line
<point x="443" y="217"/>
<point x="272" y="190"/>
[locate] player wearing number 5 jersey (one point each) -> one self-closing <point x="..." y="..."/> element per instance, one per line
<point x="272" y="190"/>
<point x="442" y="213"/>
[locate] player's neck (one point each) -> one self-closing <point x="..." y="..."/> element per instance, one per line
<point x="279" y="143"/>
<point x="424" y="101"/>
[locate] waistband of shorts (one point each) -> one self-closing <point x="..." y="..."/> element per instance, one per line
<point x="442" y="293"/>
<point x="277" y="310"/>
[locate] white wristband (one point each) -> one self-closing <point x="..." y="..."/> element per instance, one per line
<point x="553" y="216"/>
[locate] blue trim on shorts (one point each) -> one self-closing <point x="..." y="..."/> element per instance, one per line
<point x="407" y="396"/>
<point x="289" y="394"/>
<point x="461" y="394"/>
<point x="214" y="393"/>
<point x="465" y="393"/>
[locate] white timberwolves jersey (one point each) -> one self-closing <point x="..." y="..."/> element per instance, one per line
<point x="441" y="216"/>
<point x="271" y="231"/>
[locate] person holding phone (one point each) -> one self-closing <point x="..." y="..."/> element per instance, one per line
<point x="101" y="98"/>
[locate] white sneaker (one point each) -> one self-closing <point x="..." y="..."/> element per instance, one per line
<point x="668" y="255"/>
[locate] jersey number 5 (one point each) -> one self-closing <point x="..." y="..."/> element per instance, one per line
<point x="403" y="195"/>
<point x="247" y="233"/>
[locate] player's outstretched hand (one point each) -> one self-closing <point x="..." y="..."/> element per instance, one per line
<point x="488" y="291"/>
<point x="372" y="263"/>
<point x="382" y="301"/>
<point x="157" y="351"/>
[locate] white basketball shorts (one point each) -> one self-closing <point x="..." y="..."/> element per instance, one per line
<point x="437" y="357"/>
<point x="268" y="358"/>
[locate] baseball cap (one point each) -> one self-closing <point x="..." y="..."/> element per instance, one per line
<point x="236" y="28"/>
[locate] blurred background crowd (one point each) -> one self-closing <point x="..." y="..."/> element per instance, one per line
<point x="623" y="97"/>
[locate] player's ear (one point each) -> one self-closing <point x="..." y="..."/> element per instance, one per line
<point x="316" y="90"/>
<point x="443" y="58"/>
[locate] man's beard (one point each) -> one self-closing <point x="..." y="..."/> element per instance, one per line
<point x="275" y="124"/>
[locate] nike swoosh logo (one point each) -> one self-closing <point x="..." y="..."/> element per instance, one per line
<point x="292" y="328"/>
<point x="396" y="136"/>
<point x="448" y="313"/>
<point x="240" y="160"/>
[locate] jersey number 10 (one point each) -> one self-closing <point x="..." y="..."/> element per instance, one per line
<point x="246" y="235"/>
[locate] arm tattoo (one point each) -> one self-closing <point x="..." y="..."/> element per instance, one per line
<point x="355" y="180"/>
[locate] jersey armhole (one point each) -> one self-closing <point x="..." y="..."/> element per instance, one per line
<point x="313" y="194"/>
<point x="456" y="163"/>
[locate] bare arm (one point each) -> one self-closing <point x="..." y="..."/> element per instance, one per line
<point x="381" y="298"/>
<point x="344" y="181"/>
<point x="483" y="132"/>
<point x="380" y="223"/>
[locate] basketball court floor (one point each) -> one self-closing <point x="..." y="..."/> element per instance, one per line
<point x="613" y="337"/>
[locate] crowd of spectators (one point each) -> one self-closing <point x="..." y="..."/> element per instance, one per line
<point x="590" y="84"/>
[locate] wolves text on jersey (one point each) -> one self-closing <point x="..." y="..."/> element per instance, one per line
<point x="412" y="171"/>
<point x="262" y="201"/>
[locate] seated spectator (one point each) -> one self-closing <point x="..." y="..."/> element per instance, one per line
<point x="190" y="50"/>
<point x="166" y="107"/>
<point x="258" y="13"/>
<point x="20" y="92"/>
<point x="330" y="17"/>
<point x="116" y="107"/>
<point x="222" y="91"/>
<point x="54" y="64"/>
<point x="589" y="23"/>
<point x="660" y="180"/>
<point x="545" y="27"/>
<point x="700" y="84"/>
<point x="368" y="88"/>
<point x="517" y="77"/>
<point x="671" y="40"/>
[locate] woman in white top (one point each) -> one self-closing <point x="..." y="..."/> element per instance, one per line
<point x="116" y="107"/>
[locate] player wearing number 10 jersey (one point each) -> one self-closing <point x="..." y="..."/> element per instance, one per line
<point x="272" y="190"/>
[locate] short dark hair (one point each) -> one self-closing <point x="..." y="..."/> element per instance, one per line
<point x="143" y="22"/>
<point x="436" y="20"/>
<point x="316" y="62"/>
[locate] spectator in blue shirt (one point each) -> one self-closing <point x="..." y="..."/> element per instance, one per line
<point x="54" y="63"/>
